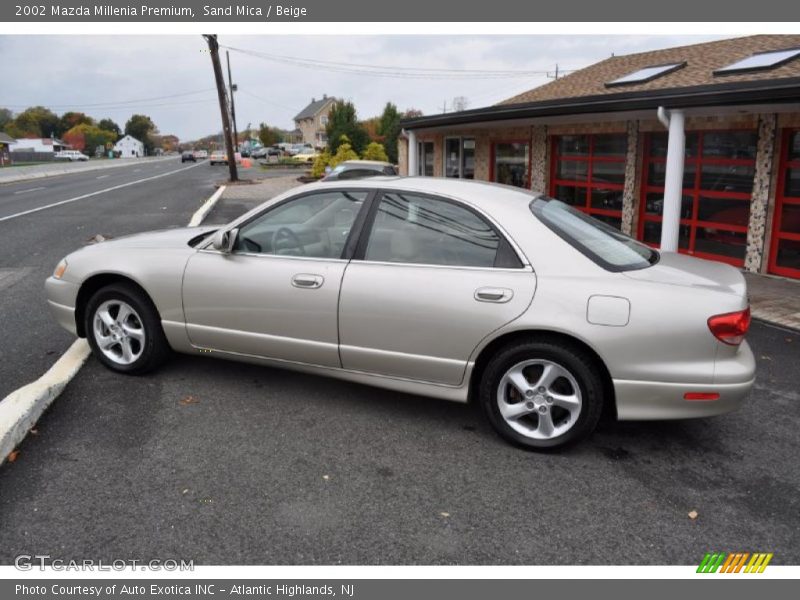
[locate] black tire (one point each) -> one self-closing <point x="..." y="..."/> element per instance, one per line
<point x="580" y="365"/>
<point x="154" y="351"/>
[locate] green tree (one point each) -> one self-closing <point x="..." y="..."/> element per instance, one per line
<point x="142" y="128"/>
<point x="389" y="128"/>
<point x="6" y="117"/>
<point x="36" y="121"/>
<point x="343" y="121"/>
<point x="376" y="151"/>
<point x="110" y="125"/>
<point x="269" y="136"/>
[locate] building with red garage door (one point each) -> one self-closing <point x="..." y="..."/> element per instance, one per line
<point x="694" y="149"/>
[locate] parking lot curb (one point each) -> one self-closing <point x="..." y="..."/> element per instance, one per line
<point x="20" y="410"/>
<point x="202" y="212"/>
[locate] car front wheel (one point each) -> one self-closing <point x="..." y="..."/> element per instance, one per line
<point x="124" y="330"/>
<point x="542" y="394"/>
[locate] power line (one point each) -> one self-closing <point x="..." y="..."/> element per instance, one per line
<point x="120" y="103"/>
<point x="387" y="70"/>
<point x="283" y="106"/>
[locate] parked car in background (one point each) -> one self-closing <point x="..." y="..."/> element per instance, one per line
<point x="265" y="152"/>
<point x="453" y="289"/>
<point x="201" y="154"/>
<point x="188" y="156"/>
<point x="358" y="169"/>
<point x="218" y="157"/>
<point x="71" y="155"/>
<point x="307" y="155"/>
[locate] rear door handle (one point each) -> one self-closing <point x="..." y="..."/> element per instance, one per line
<point x="498" y="295"/>
<point x="307" y="281"/>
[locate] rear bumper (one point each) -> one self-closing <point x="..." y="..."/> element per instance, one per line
<point x="651" y="400"/>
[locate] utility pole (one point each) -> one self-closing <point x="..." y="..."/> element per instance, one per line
<point x="213" y="48"/>
<point x="232" y="88"/>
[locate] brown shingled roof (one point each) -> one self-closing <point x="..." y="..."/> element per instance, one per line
<point x="701" y="62"/>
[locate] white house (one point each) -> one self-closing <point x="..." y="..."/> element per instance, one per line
<point x="42" y="145"/>
<point x="129" y="147"/>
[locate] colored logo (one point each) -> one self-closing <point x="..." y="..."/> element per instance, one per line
<point x="734" y="562"/>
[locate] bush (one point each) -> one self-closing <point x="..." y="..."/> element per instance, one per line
<point x="375" y="151"/>
<point x="323" y="160"/>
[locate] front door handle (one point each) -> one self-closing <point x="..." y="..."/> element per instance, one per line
<point x="498" y="295"/>
<point x="307" y="281"/>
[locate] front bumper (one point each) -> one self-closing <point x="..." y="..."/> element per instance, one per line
<point x="61" y="297"/>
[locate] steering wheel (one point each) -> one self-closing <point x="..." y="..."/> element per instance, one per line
<point x="285" y="235"/>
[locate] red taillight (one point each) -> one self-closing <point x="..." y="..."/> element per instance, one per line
<point x="701" y="396"/>
<point x="730" y="328"/>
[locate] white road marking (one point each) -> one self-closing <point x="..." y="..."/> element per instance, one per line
<point x="97" y="193"/>
<point x="101" y="176"/>
<point x="136" y="170"/>
<point x="30" y="190"/>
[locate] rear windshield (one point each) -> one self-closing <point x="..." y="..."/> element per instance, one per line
<point x="606" y="246"/>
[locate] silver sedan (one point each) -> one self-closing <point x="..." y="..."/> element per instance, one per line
<point x="451" y="289"/>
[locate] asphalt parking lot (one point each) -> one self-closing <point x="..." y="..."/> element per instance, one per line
<point x="227" y="463"/>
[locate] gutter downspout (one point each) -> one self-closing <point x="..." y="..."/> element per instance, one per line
<point x="413" y="153"/>
<point x="673" y="121"/>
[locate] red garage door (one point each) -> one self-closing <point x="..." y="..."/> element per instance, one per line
<point x="588" y="172"/>
<point x="717" y="186"/>
<point x="784" y="256"/>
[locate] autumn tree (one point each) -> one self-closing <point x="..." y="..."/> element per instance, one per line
<point x="6" y="117"/>
<point x="389" y="128"/>
<point x="70" y="119"/>
<point x="87" y="137"/>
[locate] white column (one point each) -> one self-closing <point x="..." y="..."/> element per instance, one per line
<point x="673" y="185"/>
<point x="413" y="154"/>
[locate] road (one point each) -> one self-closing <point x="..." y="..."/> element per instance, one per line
<point x="166" y="195"/>
<point x="225" y="463"/>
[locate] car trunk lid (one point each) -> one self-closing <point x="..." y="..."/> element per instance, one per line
<point x="688" y="271"/>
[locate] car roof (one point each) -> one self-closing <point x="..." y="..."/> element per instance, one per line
<point x="480" y="193"/>
<point x="367" y="163"/>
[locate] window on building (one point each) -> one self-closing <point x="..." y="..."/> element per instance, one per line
<point x="588" y="172"/>
<point x="785" y="246"/>
<point x="459" y="157"/>
<point x="717" y="187"/>
<point x="760" y="62"/>
<point x="425" y="159"/>
<point x="511" y="163"/>
<point x="646" y="74"/>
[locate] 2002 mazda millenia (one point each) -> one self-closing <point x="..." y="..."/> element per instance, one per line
<point x="450" y="289"/>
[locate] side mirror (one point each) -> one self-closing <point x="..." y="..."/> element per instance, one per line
<point x="224" y="240"/>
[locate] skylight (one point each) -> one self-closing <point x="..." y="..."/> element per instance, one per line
<point x="760" y="61"/>
<point x="646" y="74"/>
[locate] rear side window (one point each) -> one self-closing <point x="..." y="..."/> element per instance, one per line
<point x="605" y="245"/>
<point x="423" y="230"/>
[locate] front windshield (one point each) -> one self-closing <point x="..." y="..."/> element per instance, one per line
<point x="606" y="246"/>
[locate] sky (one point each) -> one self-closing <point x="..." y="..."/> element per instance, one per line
<point x="170" y="78"/>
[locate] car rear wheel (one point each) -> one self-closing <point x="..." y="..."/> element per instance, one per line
<point x="124" y="330"/>
<point x="542" y="394"/>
